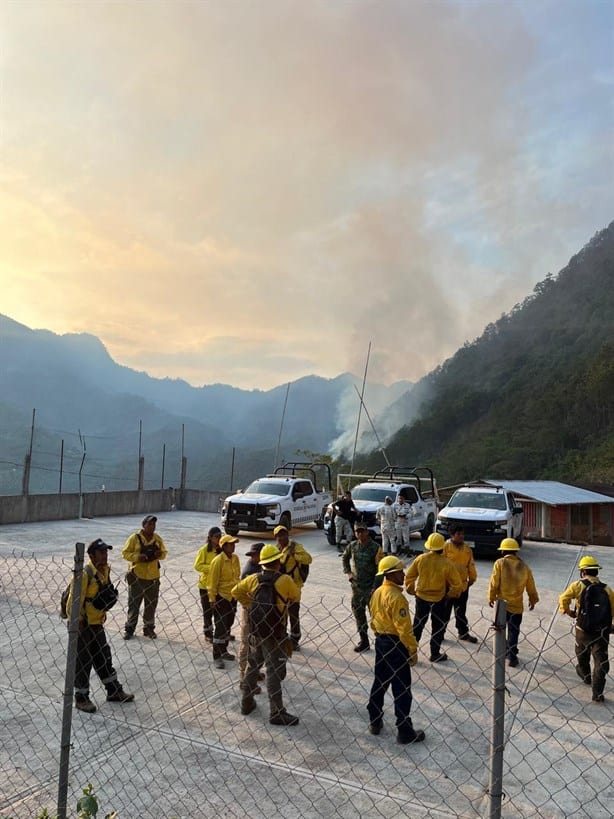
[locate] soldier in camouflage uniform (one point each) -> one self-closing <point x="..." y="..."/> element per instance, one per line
<point x="360" y="561"/>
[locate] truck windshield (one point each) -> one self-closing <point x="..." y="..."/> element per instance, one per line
<point x="479" y="500"/>
<point x="267" y="488"/>
<point x="369" y="493"/>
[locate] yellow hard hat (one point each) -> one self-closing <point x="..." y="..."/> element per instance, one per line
<point x="269" y="553"/>
<point x="435" y="542"/>
<point x="588" y="563"/>
<point x="390" y="564"/>
<point x="508" y="544"/>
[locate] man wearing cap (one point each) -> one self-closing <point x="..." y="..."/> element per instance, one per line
<point x="591" y="639"/>
<point x="510" y="578"/>
<point x="202" y="564"/>
<point x="360" y="560"/>
<point x="457" y="551"/>
<point x="93" y="650"/>
<point x="345" y="515"/>
<point x="396" y="650"/>
<point x="223" y="575"/>
<point x="268" y="648"/>
<point x="143" y="550"/>
<point x="387" y="522"/>
<point x="251" y="567"/>
<point x="434" y="580"/>
<point x="295" y="561"/>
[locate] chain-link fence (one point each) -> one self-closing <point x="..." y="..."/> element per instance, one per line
<point x="183" y="749"/>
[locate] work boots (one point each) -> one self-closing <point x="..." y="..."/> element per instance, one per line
<point x="84" y="703"/>
<point x="407" y="735"/>
<point x="283" y="718"/>
<point x="118" y="694"/>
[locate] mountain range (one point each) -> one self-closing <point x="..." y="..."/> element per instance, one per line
<point x="532" y="397"/>
<point x="85" y="399"/>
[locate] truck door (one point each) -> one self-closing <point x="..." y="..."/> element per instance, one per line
<point x="516" y="517"/>
<point x="417" y="518"/>
<point x="304" y="502"/>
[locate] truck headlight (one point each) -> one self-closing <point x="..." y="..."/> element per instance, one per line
<point x="272" y="509"/>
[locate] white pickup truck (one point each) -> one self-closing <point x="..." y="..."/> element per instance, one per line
<point x="487" y="512"/>
<point x="288" y="497"/>
<point x="415" y="483"/>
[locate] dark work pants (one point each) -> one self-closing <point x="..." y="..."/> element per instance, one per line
<point x="459" y="606"/>
<point x="147" y="591"/>
<point x="391" y="669"/>
<point x="360" y="604"/>
<point x="93" y="652"/>
<point x="270" y="653"/>
<point x="513" y="633"/>
<point x="207" y="612"/>
<point x="224" y="616"/>
<point x="295" y="623"/>
<point x="595" y="646"/>
<point x="439" y="613"/>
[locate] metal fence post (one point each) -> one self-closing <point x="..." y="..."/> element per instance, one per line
<point x="495" y="788"/>
<point x="69" y="680"/>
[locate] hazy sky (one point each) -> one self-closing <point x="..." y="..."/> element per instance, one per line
<point x="250" y="191"/>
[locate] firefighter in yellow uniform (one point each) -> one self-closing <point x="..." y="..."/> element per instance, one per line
<point x="510" y="578"/>
<point x="434" y="580"/>
<point x="267" y="636"/>
<point x="224" y="574"/>
<point x="456" y="550"/>
<point x="143" y="550"/>
<point x="295" y="560"/>
<point x="93" y="650"/>
<point x="594" y="622"/>
<point x="396" y="650"/>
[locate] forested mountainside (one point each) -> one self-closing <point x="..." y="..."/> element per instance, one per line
<point x="533" y="396"/>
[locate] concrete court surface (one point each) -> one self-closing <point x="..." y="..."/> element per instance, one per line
<point x="183" y="749"/>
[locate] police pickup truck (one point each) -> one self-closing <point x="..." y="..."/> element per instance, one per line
<point x="415" y="483"/>
<point x="487" y="512"/>
<point x="288" y="497"/>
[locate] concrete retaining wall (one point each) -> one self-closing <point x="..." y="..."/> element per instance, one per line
<point x="31" y="508"/>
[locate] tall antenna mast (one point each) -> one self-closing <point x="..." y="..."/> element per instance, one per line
<point x="362" y="395"/>
<point x="281" y="426"/>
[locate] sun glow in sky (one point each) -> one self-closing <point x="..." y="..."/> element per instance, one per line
<point x="251" y="192"/>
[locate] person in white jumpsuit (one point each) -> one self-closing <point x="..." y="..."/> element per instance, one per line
<point x="387" y="522"/>
<point x="402" y="512"/>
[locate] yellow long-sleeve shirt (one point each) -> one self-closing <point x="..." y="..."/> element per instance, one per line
<point x="462" y="557"/>
<point x="510" y="578"/>
<point x="390" y="614"/>
<point x="432" y="577"/>
<point x="574" y="593"/>
<point x="293" y="556"/>
<point x="224" y="575"/>
<point x="286" y="588"/>
<point x="202" y="564"/>
<point x="92" y="580"/>
<point x="149" y="570"/>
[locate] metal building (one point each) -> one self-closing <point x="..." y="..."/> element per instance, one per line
<point x="558" y="511"/>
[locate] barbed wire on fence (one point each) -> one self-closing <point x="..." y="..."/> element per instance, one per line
<point x="183" y="749"/>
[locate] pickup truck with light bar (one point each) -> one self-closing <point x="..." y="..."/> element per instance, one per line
<point x="288" y="497"/>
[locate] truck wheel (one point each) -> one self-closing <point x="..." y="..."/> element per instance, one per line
<point x="428" y="528"/>
<point x="320" y="522"/>
<point x="231" y="530"/>
<point x="330" y="536"/>
<point x="518" y="539"/>
<point x="286" y="521"/>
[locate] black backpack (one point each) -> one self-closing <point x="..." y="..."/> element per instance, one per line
<point x="104" y="599"/>
<point x="264" y="617"/>
<point x="595" y="612"/>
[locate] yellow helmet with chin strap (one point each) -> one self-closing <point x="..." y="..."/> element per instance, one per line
<point x="508" y="544"/>
<point x="588" y="562"/>
<point x="390" y="564"/>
